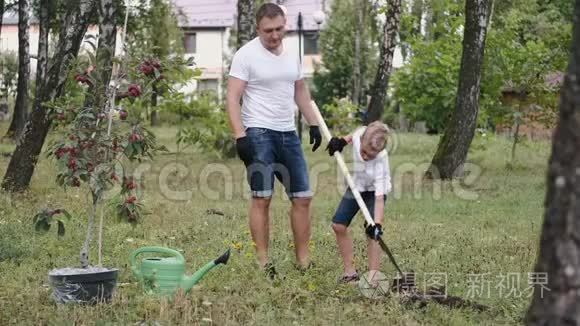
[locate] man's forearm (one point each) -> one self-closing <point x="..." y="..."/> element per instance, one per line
<point x="235" y="118"/>
<point x="303" y="100"/>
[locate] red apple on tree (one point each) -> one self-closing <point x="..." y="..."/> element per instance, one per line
<point x="134" y="90"/>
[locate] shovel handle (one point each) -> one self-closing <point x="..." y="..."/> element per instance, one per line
<point x="343" y="167"/>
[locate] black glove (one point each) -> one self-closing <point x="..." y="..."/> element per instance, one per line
<point x="244" y="149"/>
<point x="335" y="144"/>
<point x="374" y="231"/>
<point x="315" y="137"/>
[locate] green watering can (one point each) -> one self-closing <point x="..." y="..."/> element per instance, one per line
<point x="166" y="275"/>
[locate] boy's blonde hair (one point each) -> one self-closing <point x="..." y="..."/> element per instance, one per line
<point x="375" y="136"/>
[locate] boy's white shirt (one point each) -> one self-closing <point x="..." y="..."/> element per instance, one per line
<point x="373" y="175"/>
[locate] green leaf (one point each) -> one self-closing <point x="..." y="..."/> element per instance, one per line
<point x="42" y="226"/>
<point x="60" y="229"/>
<point x="66" y="214"/>
<point x="138" y="148"/>
<point x="129" y="150"/>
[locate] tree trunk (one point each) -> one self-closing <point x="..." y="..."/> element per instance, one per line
<point x="21" y="105"/>
<point x="105" y="53"/>
<point x="45" y="11"/>
<point x="1" y="18"/>
<point x="453" y="146"/>
<point x="379" y="88"/>
<point x="84" y="254"/>
<point x="42" y="56"/>
<point x="558" y="266"/>
<point x="357" y="77"/>
<point x="29" y="146"/>
<point x="432" y="17"/>
<point x="106" y="49"/>
<point x="154" y="114"/>
<point x="246" y="22"/>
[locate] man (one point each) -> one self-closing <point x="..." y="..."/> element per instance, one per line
<point x="268" y="79"/>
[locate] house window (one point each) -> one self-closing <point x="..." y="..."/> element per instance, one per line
<point x="189" y="42"/>
<point x="205" y="85"/>
<point x="310" y="44"/>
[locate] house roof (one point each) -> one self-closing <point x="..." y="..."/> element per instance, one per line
<point x="10" y="18"/>
<point x="222" y="13"/>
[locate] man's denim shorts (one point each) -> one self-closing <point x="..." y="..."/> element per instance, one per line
<point x="348" y="206"/>
<point x="277" y="154"/>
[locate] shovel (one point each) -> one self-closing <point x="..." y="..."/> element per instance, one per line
<point x="405" y="281"/>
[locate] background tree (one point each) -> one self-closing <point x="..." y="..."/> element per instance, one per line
<point x="1" y="16"/>
<point x="454" y="144"/>
<point x="525" y="50"/>
<point x="246" y="22"/>
<point x="529" y="40"/>
<point x="21" y="105"/>
<point x="411" y="18"/>
<point x="25" y="156"/>
<point x="9" y="66"/>
<point x="361" y="8"/>
<point x="388" y="43"/>
<point x="46" y="8"/>
<point x="333" y="78"/>
<point x="559" y="247"/>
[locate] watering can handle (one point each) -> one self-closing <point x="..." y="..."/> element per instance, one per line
<point x="158" y="250"/>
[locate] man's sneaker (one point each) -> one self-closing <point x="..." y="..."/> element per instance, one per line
<point x="270" y="271"/>
<point x="346" y="279"/>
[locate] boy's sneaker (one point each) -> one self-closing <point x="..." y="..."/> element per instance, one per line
<point x="346" y="279"/>
<point x="304" y="269"/>
<point x="270" y="271"/>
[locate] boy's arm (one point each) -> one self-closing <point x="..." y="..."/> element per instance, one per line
<point x="379" y="209"/>
<point x="382" y="187"/>
<point x="348" y="138"/>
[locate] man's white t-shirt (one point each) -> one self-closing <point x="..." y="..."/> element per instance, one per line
<point x="373" y="175"/>
<point x="268" y="100"/>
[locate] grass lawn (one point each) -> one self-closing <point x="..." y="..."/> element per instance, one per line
<point x="485" y="228"/>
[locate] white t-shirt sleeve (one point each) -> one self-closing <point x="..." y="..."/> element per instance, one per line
<point x="300" y="71"/>
<point x="382" y="176"/>
<point x="240" y="68"/>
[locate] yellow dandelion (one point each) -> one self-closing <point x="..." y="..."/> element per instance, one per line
<point x="237" y="245"/>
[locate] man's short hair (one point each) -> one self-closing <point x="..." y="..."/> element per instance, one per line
<point x="270" y="10"/>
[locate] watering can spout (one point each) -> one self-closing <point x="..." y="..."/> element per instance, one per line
<point x="189" y="281"/>
<point x="223" y="259"/>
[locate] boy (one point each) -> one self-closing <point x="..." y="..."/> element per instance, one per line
<point x="372" y="179"/>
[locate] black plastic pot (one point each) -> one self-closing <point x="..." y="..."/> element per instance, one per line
<point x="84" y="288"/>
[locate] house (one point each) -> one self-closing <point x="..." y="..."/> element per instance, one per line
<point x="9" y="37"/>
<point x="207" y="26"/>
